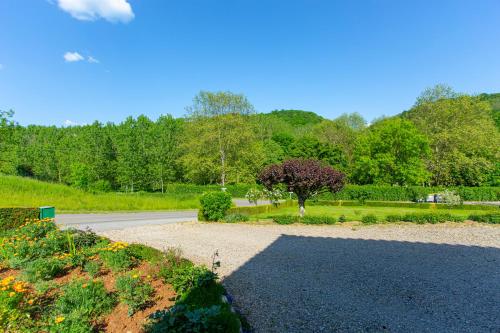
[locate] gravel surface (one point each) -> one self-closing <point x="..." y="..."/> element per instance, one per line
<point x="381" y="278"/>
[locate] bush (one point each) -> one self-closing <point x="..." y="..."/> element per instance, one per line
<point x="86" y="299"/>
<point x="369" y="219"/>
<point x="342" y="218"/>
<point x="284" y="219"/>
<point x="186" y="277"/>
<point x="317" y="220"/>
<point x="43" y="269"/>
<point x="143" y="252"/>
<point x="486" y="218"/>
<point x="13" y="217"/>
<point x="421" y="218"/>
<point x="180" y="318"/>
<point x="451" y="198"/>
<point x="214" y="205"/>
<point x="393" y="218"/>
<point x="116" y="257"/>
<point x="133" y="292"/>
<point x="236" y="217"/>
<point x="253" y="195"/>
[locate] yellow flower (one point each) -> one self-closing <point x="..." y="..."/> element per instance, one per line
<point x="19" y="287"/>
<point x="30" y="302"/>
<point x="7" y="280"/>
<point x="135" y="276"/>
<point x="59" y="320"/>
<point x="84" y="285"/>
<point x="12" y="294"/>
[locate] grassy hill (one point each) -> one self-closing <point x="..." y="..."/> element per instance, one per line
<point x="26" y="192"/>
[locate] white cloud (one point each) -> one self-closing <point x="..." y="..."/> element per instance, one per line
<point x="72" y="56"/>
<point x="70" y="123"/>
<point x="90" y="10"/>
<point x="92" y="60"/>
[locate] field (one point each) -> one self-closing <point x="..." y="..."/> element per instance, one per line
<point x="23" y="192"/>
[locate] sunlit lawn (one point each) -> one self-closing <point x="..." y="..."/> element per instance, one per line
<point x="354" y="213"/>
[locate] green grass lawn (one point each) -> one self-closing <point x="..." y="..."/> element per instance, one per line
<point x="24" y="192"/>
<point x="354" y="213"/>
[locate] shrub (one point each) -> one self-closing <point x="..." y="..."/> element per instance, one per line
<point x="43" y="269"/>
<point x="214" y="205"/>
<point x="133" y="292"/>
<point x="451" y="198"/>
<point x="369" y="219"/>
<point x="284" y="219"/>
<point x="86" y="299"/>
<point x="486" y="218"/>
<point x="14" y="217"/>
<point x="236" y="217"/>
<point x="393" y="218"/>
<point x="317" y="220"/>
<point x="83" y="239"/>
<point x="180" y="318"/>
<point x="253" y="195"/>
<point x="185" y="277"/>
<point x="116" y="257"/>
<point x="430" y="218"/>
<point x="342" y="218"/>
<point x="143" y="252"/>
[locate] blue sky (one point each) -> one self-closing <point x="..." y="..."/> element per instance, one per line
<point x="151" y="57"/>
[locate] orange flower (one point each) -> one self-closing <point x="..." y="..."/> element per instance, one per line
<point x="30" y="302"/>
<point x="59" y="319"/>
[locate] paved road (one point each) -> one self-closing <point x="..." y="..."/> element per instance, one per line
<point x="118" y="221"/>
<point x="346" y="278"/>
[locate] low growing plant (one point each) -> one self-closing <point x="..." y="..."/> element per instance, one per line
<point x="236" y="217"/>
<point x="318" y="220"/>
<point x="485" y="218"/>
<point x="15" y="303"/>
<point x="284" y="219"/>
<point x="342" y="218"/>
<point x="180" y="318"/>
<point x="92" y="268"/>
<point x="43" y="269"/>
<point x="116" y="257"/>
<point x="134" y="292"/>
<point x="369" y="219"/>
<point x="85" y="299"/>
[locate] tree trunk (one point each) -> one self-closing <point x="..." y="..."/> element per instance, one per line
<point x="302" y="206"/>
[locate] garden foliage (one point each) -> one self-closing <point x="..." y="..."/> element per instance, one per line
<point x="214" y="205"/>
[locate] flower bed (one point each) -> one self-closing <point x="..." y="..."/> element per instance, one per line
<point x="73" y="281"/>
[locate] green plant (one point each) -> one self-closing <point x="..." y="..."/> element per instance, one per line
<point x="451" y="198"/>
<point x="486" y="218"/>
<point x="393" y="218"/>
<point x="143" y="252"/>
<point x="253" y="195"/>
<point x="87" y="299"/>
<point x="43" y="269"/>
<point x="318" y="220"/>
<point x="214" y="205"/>
<point x="117" y="257"/>
<point x="180" y="318"/>
<point x="236" y="217"/>
<point x="342" y="218"/>
<point x="133" y="292"/>
<point x="186" y="277"/>
<point x="92" y="268"/>
<point x="285" y="219"/>
<point x="14" y="305"/>
<point x="14" y="217"/>
<point x="369" y="219"/>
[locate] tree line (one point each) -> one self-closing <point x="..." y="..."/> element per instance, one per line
<point x="445" y="139"/>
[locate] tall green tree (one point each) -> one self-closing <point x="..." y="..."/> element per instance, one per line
<point x="391" y="151"/>
<point x="463" y="137"/>
<point x="222" y="114"/>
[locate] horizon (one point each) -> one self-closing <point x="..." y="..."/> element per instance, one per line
<point x="75" y="64"/>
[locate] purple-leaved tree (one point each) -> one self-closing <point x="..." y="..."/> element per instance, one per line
<point x="303" y="177"/>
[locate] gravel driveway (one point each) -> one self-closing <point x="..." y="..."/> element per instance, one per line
<point x="381" y="278"/>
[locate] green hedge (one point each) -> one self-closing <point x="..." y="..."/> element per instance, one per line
<point x="486" y="218"/>
<point x="398" y="204"/>
<point x="290" y="219"/>
<point x="214" y="205"/>
<point x="410" y="193"/>
<point x="14" y="217"/>
<point x="253" y="210"/>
